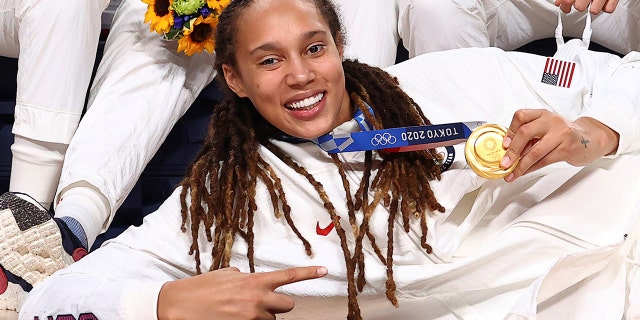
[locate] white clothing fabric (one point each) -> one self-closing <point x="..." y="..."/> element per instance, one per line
<point x="141" y="88"/>
<point x="523" y="250"/>
<point x="35" y="168"/>
<point x="55" y="43"/>
<point x="374" y="28"/>
<point x="427" y="26"/>
<point x="371" y="30"/>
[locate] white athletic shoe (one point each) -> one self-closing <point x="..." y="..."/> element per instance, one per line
<point x="33" y="245"/>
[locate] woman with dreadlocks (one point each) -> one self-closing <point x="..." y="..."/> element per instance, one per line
<point x="263" y="199"/>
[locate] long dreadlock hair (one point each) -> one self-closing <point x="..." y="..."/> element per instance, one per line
<point x="218" y="192"/>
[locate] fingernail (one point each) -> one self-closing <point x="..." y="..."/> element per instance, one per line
<point x="509" y="178"/>
<point x="322" y="271"/>
<point x="506" y="142"/>
<point x="505" y="162"/>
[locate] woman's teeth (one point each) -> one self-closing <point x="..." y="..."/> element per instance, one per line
<point x="306" y="103"/>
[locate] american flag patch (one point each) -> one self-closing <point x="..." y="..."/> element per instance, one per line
<point x="558" y="72"/>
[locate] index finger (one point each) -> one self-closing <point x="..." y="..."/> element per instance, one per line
<point x="520" y="118"/>
<point x="520" y="135"/>
<point x="275" y="279"/>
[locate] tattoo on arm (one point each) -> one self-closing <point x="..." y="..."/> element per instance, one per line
<point x="584" y="141"/>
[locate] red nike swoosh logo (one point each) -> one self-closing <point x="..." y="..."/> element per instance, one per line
<point x="324" y="231"/>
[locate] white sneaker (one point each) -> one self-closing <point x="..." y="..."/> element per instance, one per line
<point x="33" y="245"/>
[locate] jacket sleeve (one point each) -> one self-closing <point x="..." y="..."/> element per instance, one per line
<point x="122" y="279"/>
<point x="615" y="100"/>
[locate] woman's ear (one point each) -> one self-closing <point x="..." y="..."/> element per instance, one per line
<point x="233" y="81"/>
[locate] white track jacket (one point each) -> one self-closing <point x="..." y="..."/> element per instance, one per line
<point x="558" y="243"/>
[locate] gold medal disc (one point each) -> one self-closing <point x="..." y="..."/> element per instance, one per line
<point x="484" y="151"/>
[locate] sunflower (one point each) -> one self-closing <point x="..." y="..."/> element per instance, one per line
<point x="198" y="35"/>
<point x="218" y="5"/>
<point x="191" y="22"/>
<point x="158" y="15"/>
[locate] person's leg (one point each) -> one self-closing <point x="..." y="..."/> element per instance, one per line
<point x="512" y="24"/>
<point x="141" y="88"/>
<point x="9" y="43"/>
<point x="371" y="28"/>
<point x="618" y="31"/>
<point x="51" y="88"/>
<point x="427" y="26"/>
<point x="35" y="168"/>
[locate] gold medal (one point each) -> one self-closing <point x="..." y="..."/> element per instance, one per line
<point x="484" y="151"/>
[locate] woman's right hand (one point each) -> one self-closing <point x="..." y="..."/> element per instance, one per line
<point x="230" y="294"/>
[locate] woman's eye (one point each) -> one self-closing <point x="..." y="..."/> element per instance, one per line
<point x="316" y="48"/>
<point x="268" y="61"/>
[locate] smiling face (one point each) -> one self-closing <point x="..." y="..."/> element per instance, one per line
<point x="290" y="67"/>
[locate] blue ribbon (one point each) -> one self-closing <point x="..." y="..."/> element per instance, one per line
<point x="398" y="139"/>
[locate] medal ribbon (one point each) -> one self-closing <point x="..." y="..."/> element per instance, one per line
<point x="397" y="139"/>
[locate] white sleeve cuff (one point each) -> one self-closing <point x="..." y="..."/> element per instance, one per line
<point x="140" y="300"/>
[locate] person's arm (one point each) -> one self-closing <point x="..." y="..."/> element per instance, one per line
<point x="541" y="137"/>
<point x="610" y="125"/>
<point x="231" y="294"/>
<point x="124" y="278"/>
<point x="615" y="101"/>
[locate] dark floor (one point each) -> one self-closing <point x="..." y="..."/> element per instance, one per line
<point x="167" y="167"/>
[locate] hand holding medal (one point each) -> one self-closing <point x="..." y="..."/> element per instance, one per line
<point x="484" y="151"/>
<point x="535" y="138"/>
<point x="538" y="137"/>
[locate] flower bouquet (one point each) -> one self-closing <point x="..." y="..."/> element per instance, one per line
<point x="191" y="22"/>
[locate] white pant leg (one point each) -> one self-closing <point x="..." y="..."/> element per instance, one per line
<point x="516" y="22"/>
<point x="58" y="42"/>
<point x="9" y="44"/>
<point x="35" y="168"/>
<point x="371" y="29"/>
<point x="141" y="88"/>
<point x="618" y="31"/>
<point x="427" y="26"/>
<point x="55" y="43"/>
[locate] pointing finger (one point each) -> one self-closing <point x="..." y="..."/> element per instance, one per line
<point x="279" y="278"/>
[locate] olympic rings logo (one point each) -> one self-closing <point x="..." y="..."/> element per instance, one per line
<point x="383" y="139"/>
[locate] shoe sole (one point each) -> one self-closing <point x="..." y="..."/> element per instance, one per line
<point x="30" y="241"/>
<point x="12" y="298"/>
